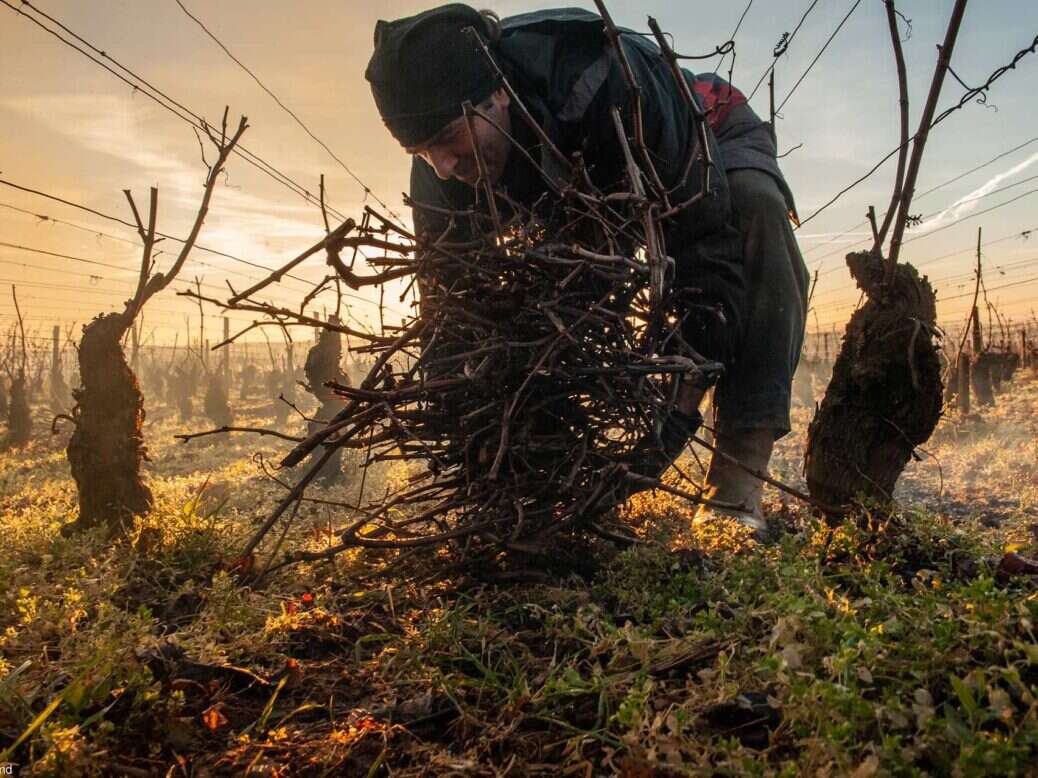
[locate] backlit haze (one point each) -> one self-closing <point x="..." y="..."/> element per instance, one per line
<point x="73" y="130"/>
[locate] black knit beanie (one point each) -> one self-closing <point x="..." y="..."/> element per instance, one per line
<point x="424" y="67"/>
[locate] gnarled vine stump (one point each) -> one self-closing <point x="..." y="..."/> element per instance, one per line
<point x="249" y="378"/>
<point x="217" y="402"/>
<point x="885" y="395"/>
<point x="324" y="365"/>
<point x="281" y="383"/>
<point x="181" y="389"/>
<point x="19" y="416"/>
<point x="984" y="365"/>
<point x="107" y="447"/>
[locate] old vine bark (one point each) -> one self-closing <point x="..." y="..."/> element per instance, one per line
<point x="106" y="448"/>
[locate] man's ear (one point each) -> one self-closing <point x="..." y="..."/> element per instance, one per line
<point x="501" y="98"/>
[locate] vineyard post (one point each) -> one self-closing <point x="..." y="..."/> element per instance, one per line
<point x="963" y="377"/>
<point x="980" y="368"/>
<point x="227" y="353"/>
<point x="19" y="416"/>
<point x="978" y="334"/>
<point x="55" y="358"/>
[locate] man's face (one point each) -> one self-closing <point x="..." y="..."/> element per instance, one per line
<point x="450" y="152"/>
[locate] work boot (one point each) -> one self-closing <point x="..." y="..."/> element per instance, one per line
<point x="727" y="482"/>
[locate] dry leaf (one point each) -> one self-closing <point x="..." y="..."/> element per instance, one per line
<point x="243" y="565"/>
<point x="867" y="768"/>
<point x="213" y="717"/>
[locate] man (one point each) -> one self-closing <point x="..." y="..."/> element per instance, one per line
<point x="735" y="247"/>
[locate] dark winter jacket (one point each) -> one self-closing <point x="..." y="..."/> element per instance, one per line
<point x="568" y="76"/>
<point x="745" y="140"/>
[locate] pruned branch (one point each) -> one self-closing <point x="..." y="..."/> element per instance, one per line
<point x="149" y="284"/>
<point x="635" y="88"/>
<point x="227" y="428"/>
<point x="334" y="237"/>
<point x="484" y="181"/>
<point x="902" y="87"/>
<point x="919" y="143"/>
<point x="540" y="362"/>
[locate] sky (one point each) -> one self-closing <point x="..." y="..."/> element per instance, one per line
<point x="73" y="130"/>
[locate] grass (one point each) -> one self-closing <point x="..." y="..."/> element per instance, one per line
<point x="886" y="649"/>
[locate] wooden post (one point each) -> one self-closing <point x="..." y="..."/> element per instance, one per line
<point x="226" y="353"/>
<point x="951" y="378"/>
<point x="55" y="356"/>
<point x="825" y="338"/>
<point x="1024" y="356"/>
<point x="978" y="334"/>
<point x="963" y="371"/>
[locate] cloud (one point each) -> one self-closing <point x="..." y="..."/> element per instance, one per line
<point x="125" y="129"/>
<point x="833" y="237"/>
<point x="104" y="123"/>
<point x="970" y="201"/>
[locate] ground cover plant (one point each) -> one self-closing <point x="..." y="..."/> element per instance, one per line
<point x="893" y="645"/>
